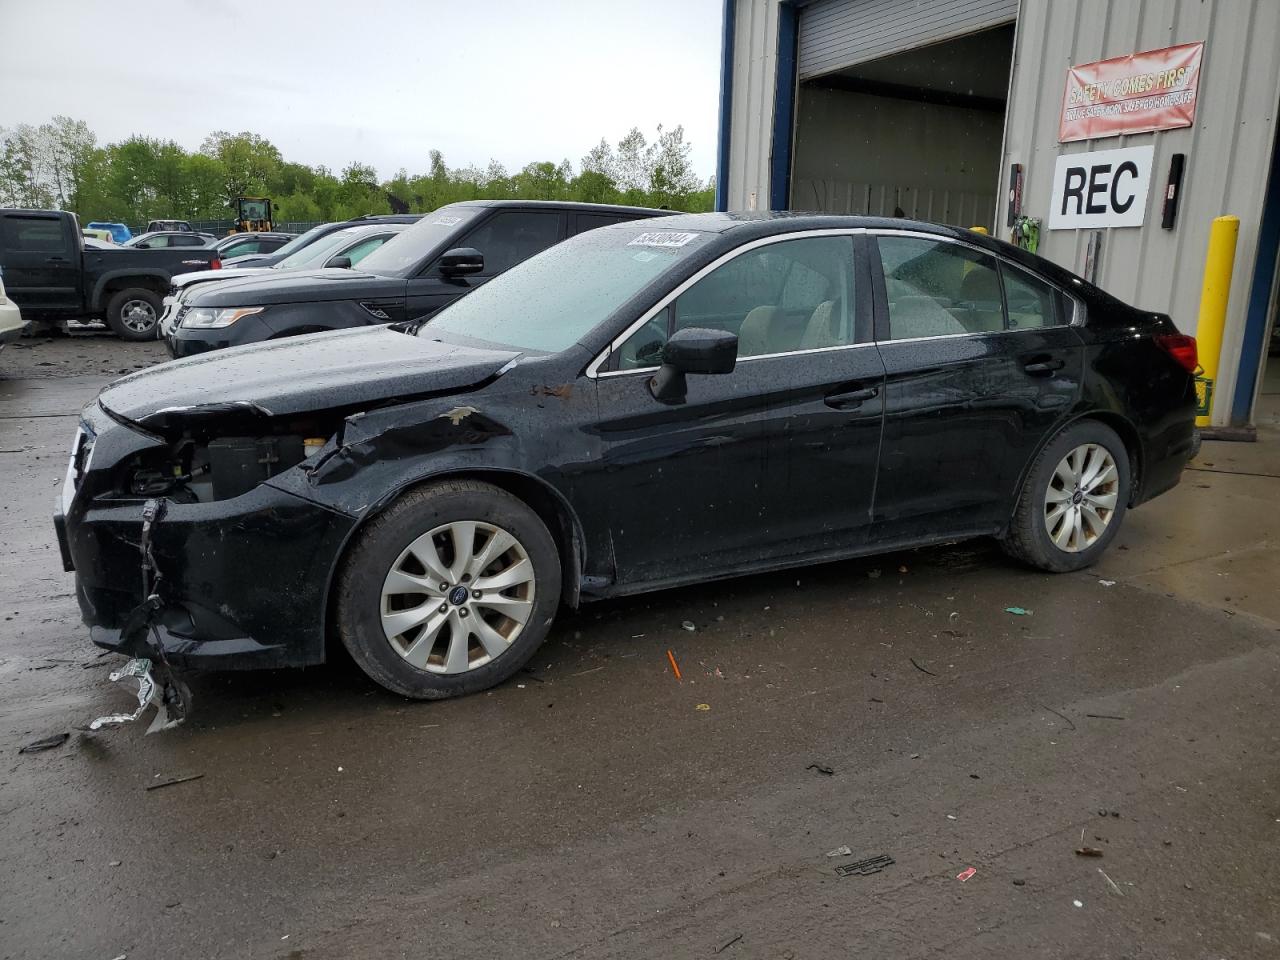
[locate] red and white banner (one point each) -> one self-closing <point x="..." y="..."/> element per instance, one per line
<point x="1153" y="90"/>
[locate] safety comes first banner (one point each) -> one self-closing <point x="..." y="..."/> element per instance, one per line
<point x="1153" y="90"/>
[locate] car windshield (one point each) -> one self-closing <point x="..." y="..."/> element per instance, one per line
<point x="552" y="300"/>
<point x="400" y="255"/>
<point x="302" y="239"/>
<point x="319" y="251"/>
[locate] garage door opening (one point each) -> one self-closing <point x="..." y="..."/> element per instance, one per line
<point x="914" y="134"/>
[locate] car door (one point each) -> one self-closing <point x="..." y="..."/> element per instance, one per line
<point x="774" y="460"/>
<point x="41" y="261"/>
<point x="505" y="238"/>
<point x="971" y="386"/>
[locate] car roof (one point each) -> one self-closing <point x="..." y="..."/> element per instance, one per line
<point x="251" y="234"/>
<point x="384" y="218"/>
<point x="571" y="205"/>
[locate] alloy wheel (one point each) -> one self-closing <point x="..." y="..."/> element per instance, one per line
<point x="1081" y="497"/>
<point x="457" y="597"/>
<point x="138" y="315"/>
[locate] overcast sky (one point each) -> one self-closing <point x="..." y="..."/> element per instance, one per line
<point x="380" y="81"/>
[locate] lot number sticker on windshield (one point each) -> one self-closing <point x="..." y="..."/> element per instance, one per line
<point x="662" y="238"/>
<point x="447" y="221"/>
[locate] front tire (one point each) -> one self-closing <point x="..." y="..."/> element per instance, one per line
<point x="1072" y="501"/>
<point x="449" y="591"/>
<point x="134" y="314"/>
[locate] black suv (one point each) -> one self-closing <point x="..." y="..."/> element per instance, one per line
<point x="443" y="256"/>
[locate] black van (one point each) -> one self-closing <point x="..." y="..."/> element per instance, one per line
<point x="440" y="258"/>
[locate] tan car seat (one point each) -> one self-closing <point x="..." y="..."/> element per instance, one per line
<point x="758" y="334"/>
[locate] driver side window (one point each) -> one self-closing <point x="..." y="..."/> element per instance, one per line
<point x="778" y="298"/>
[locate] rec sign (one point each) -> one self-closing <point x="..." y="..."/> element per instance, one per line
<point x="1106" y="188"/>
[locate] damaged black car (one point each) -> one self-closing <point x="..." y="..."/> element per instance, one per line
<point x="639" y="407"/>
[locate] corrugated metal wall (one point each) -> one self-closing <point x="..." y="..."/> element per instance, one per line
<point x="755" y="53"/>
<point x="1228" y="149"/>
<point x="835" y="34"/>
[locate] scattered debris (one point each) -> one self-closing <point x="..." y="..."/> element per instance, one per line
<point x="920" y="668"/>
<point x="974" y="776"/>
<point x="902" y="569"/>
<point x="675" y="667"/>
<point x="703" y="707"/>
<point x="1088" y="852"/>
<point x="175" y="780"/>
<point x="873" y="574"/>
<point x="1019" y="883"/>
<point x="582" y="673"/>
<point x="1056" y="714"/>
<point x="1104" y="716"/>
<point x="951" y="816"/>
<point x="1107" y="583"/>
<point x="688" y="625"/>
<point x="47" y="743"/>
<point x="864" y="868"/>
<point x="1111" y="883"/>
<point x="965" y="874"/>
<point x="729" y="943"/>
<point x="826" y="771"/>
<point x="1076" y="903"/>
<point x="1018" y="611"/>
<point x="148" y="693"/>
<point x="843" y="851"/>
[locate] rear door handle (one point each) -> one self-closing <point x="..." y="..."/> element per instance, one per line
<point x="1043" y="366"/>
<point x="851" y="398"/>
<point x="55" y="260"/>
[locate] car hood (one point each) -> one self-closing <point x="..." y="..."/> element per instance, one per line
<point x="346" y="369"/>
<point x="307" y="286"/>
<point x="184" y="280"/>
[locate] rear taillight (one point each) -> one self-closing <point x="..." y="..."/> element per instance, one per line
<point x="216" y="264"/>
<point x="1182" y="348"/>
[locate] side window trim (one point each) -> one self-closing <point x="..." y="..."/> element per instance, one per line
<point x="602" y="365"/>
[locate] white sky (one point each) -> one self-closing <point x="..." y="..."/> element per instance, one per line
<point x="380" y="81"/>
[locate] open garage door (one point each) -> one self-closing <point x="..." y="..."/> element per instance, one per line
<point x="900" y="108"/>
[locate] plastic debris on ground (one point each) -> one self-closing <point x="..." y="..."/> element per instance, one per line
<point x="688" y="625"/>
<point x="148" y="694"/>
<point x="966" y="874"/>
<point x="821" y="768"/>
<point x="703" y="707"/>
<point x="1088" y="852"/>
<point x="1018" y="611"/>
<point x="1111" y="883"/>
<point x="675" y="667"/>
<point x="174" y="781"/>
<point x="864" y="868"/>
<point x="1107" y="583"/>
<point x="47" y="743"/>
<point x="843" y="851"/>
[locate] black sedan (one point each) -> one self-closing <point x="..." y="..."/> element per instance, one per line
<point x="644" y="405"/>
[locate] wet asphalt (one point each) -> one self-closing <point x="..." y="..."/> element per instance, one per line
<point x="597" y="807"/>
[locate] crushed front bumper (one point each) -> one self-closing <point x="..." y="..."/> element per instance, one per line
<point x="242" y="583"/>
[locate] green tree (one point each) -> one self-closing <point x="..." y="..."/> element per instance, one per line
<point x="251" y="163"/>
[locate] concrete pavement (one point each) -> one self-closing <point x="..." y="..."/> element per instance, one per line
<point x="593" y="808"/>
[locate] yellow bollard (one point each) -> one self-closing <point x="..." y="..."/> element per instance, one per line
<point x="1218" y="264"/>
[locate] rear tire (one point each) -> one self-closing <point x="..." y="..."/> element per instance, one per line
<point x="1072" y="501"/>
<point x="449" y="591"/>
<point x="134" y="314"/>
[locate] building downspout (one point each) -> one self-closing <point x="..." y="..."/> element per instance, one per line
<point x="726" y="105"/>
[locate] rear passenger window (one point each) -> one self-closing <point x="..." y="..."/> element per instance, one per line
<point x="37" y="234"/>
<point x="939" y="289"/>
<point x="1032" y="302"/>
<point x="590" y="221"/>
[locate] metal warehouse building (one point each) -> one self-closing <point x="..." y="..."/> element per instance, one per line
<point x="1107" y="133"/>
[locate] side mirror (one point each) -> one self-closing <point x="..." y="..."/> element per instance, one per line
<point x="461" y="261"/>
<point x="693" y="350"/>
<point x="339" y="263"/>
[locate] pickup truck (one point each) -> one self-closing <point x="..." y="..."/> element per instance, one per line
<point x="51" y="275"/>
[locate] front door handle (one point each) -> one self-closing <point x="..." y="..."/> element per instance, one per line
<point x="850" y="399"/>
<point x="55" y="260"/>
<point x="1038" y="367"/>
